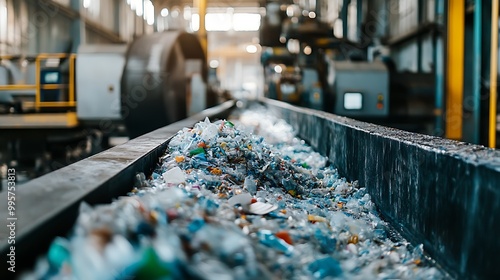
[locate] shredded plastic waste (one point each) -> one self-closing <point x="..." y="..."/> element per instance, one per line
<point x="239" y="199"/>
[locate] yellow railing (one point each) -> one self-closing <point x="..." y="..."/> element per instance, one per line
<point x="71" y="83"/>
<point x="38" y="87"/>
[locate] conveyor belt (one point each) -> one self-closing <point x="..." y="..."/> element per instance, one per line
<point x="48" y="206"/>
<point x="438" y="192"/>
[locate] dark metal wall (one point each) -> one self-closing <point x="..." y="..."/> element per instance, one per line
<point x="442" y="193"/>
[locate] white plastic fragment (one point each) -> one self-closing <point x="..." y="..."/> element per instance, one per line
<point x="261" y="208"/>
<point x="243" y="199"/>
<point x="352" y="248"/>
<point x="174" y="176"/>
<point x="394" y="257"/>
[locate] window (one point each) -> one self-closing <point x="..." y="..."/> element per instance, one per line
<point x="246" y="22"/>
<point x="227" y="21"/>
<point x="3" y="21"/>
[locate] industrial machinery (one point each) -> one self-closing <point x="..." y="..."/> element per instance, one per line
<point x="360" y="88"/>
<point x="63" y="107"/>
<point x="340" y="76"/>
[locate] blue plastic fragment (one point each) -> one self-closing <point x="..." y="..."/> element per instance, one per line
<point x="267" y="238"/>
<point x="325" y="267"/>
<point x="327" y="244"/>
<point x="155" y="175"/>
<point x="144" y="228"/>
<point x="196" y="225"/>
<point x="58" y="253"/>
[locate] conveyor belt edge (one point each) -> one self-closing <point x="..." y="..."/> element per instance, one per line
<point x="442" y="193"/>
<point x="48" y="206"/>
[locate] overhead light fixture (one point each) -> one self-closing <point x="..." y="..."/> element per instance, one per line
<point x="214" y="63"/>
<point x="278" y="69"/>
<point x="251" y="48"/>
<point x="164" y="12"/>
<point x="307" y="50"/>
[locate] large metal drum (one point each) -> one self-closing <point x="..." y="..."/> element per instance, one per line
<point x="156" y="78"/>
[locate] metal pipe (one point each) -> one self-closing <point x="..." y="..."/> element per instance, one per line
<point x="420" y="15"/>
<point x="72" y="59"/>
<point x="476" y="71"/>
<point x="455" y="69"/>
<point x="439" y="69"/>
<point x="359" y="19"/>
<point x="493" y="75"/>
<point x="37" y="83"/>
<point x="344" y="15"/>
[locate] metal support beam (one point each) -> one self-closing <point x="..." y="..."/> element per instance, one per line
<point x="78" y="33"/>
<point x="455" y="69"/>
<point x="439" y="68"/>
<point x="359" y="19"/>
<point x="343" y="15"/>
<point x="202" y="31"/>
<point x="420" y="15"/>
<point x="476" y="72"/>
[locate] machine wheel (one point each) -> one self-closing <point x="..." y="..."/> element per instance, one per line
<point x="155" y="79"/>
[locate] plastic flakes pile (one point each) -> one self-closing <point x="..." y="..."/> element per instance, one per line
<point x="224" y="203"/>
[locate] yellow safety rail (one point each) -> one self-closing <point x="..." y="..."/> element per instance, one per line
<point x="455" y="69"/>
<point x="492" y="140"/>
<point x="71" y="98"/>
<point x="38" y="86"/>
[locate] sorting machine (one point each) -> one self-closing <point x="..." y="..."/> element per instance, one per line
<point x="438" y="192"/>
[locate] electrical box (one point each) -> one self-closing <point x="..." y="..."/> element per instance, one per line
<point x="99" y="70"/>
<point x="360" y="88"/>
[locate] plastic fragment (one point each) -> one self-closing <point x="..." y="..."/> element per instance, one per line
<point x="179" y="158"/>
<point x="58" y="253"/>
<point x="237" y="202"/>
<point x="267" y="238"/>
<point x="250" y="185"/>
<point x="149" y="267"/>
<point x="314" y="219"/>
<point x="284" y="236"/>
<point x="261" y="208"/>
<point x="174" y="176"/>
<point x="242" y="199"/>
<point x="325" y="267"/>
<point x="196" y="151"/>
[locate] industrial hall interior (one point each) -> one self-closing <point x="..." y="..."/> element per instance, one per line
<point x="249" y="139"/>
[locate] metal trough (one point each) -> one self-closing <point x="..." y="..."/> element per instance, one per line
<point x="442" y="193"/>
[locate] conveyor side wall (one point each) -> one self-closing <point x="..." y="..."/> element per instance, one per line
<point x="442" y="193"/>
<point x="47" y="206"/>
